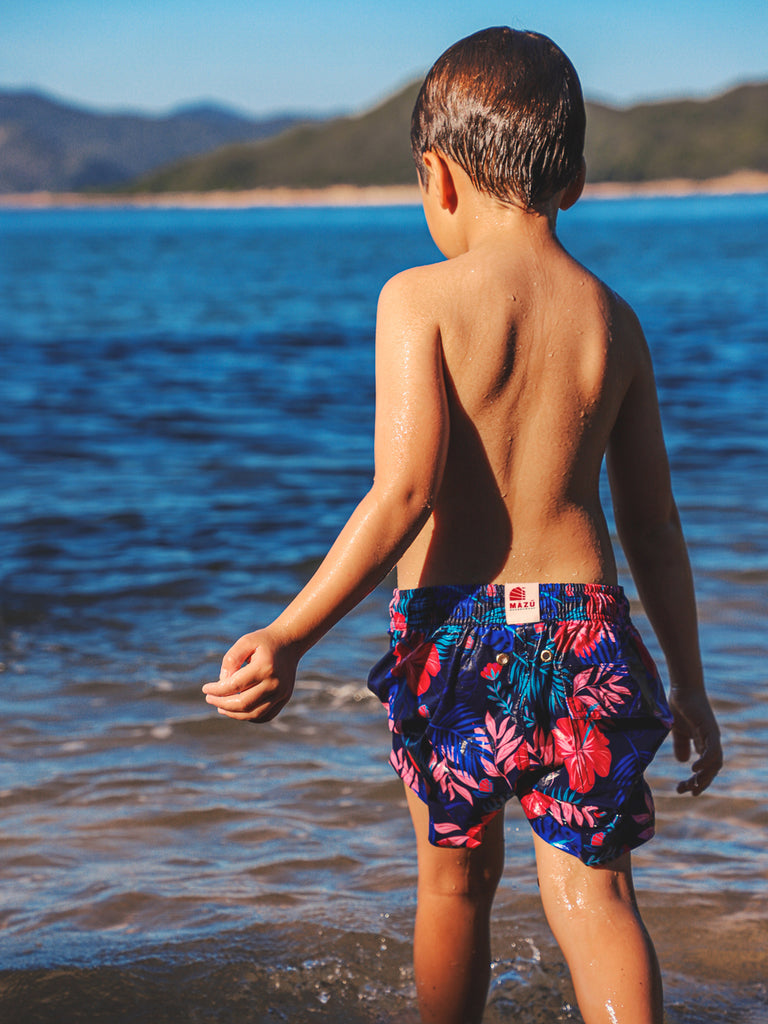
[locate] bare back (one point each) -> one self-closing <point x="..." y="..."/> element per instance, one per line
<point x="535" y="365"/>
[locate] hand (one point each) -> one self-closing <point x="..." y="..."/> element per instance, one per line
<point x="694" y="722"/>
<point x="257" y="679"/>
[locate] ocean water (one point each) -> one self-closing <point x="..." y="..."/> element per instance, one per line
<point x="186" y="408"/>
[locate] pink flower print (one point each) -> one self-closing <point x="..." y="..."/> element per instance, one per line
<point x="481" y="740"/>
<point x="598" y="604"/>
<point x="570" y="814"/>
<point x="597" y="692"/>
<point x="583" y="750"/>
<point x="398" y="623"/>
<point x="542" y="751"/>
<point x="451" y="835"/>
<point x="452" y="780"/>
<point x="405" y="769"/>
<point x="581" y="637"/>
<point x="475" y="833"/>
<point x="418" y="661"/>
<point x="510" y="750"/>
<point x="491" y="670"/>
<point x="395" y="724"/>
<point x="535" y="804"/>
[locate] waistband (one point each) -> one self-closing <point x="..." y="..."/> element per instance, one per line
<point x="430" y="607"/>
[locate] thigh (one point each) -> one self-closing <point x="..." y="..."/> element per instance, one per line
<point x="458" y="870"/>
<point x="594" y="917"/>
<point x="581" y="900"/>
<point x="564" y="878"/>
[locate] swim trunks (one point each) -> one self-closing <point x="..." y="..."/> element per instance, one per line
<point x="543" y="691"/>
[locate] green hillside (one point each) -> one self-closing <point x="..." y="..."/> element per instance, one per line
<point x="372" y="149"/>
<point x="690" y="138"/>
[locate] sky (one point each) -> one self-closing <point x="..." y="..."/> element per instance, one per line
<point x="335" y="56"/>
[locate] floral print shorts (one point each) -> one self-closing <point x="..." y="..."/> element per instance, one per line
<point x="543" y="691"/>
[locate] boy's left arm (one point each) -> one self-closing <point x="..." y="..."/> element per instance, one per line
<point x="648" y="524"/>
<point x="411" y="439"/>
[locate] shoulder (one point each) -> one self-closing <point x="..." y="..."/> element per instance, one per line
<point x="624" y="330"/>
<point x="411" y="300"/>
<point x="415" y="286"/>
<point x="621" y="317"/>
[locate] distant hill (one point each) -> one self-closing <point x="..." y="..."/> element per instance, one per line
<point x="369" y="149"/>
<point x="49" y="145"/>
<point x="685" y="138"/>
<point x="689" y="138"/>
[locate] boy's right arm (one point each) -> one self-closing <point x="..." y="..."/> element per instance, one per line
<point x="411" y="437"/>
<point x="649" y="528"/>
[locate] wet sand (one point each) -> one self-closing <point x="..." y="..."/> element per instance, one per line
<point x="738" y="183"/>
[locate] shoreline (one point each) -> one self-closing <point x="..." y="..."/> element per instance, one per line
<point x="738" y="183"/>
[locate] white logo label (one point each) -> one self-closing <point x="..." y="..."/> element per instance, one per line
<point x="521" y="603"/>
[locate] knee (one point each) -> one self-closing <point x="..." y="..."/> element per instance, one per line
<point x="462" y="874"/>
<point x="580" y="899"/>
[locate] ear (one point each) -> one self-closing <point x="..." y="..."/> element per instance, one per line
<point x="574" y="190"/>
<point x="441" y="179"/>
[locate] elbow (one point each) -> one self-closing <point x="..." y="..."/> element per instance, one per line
<point x="648" y="534"/>
<point x="412" y="502"/>
<point x="417" y="502"/>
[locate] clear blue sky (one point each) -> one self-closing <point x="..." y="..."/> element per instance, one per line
<point x="339" y="55"/>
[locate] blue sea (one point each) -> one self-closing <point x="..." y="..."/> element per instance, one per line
<point x="186" y="410"/>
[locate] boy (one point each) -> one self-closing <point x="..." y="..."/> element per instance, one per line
<point x="504" y="375"/>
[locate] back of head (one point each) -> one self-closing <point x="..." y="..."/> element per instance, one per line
<point x="507" y="107"/>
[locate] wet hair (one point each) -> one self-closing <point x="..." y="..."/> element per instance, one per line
<point x="507" y="107"/>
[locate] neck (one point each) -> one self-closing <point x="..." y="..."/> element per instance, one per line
<point x="486" y="220"/>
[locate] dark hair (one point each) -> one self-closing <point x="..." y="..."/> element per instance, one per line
<point x="507" y="107"/>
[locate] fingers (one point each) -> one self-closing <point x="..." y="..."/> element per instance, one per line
<point x="239" y="652"/>
<point x="258" y="690"/>
<point x="695" y="725"/>
<point x="231" y="684"/>
<point x="705" y="768"/>
<point x="262" y="714"/>
<point x="694" y="785"/>
<point x="245" y="664"/>
<point x="682" y="744"/>
<point x="252" y="703"/>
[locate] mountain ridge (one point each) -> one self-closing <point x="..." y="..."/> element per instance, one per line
<point x="689" y="138"/>
<point x="203" y="146"/>
<point x="50" y="144"/>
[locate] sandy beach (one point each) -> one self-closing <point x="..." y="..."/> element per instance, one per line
<point x="740" y="182"/>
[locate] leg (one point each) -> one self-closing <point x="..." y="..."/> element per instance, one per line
<point x="594" y="917"/>
<point x="452" y="945"/>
